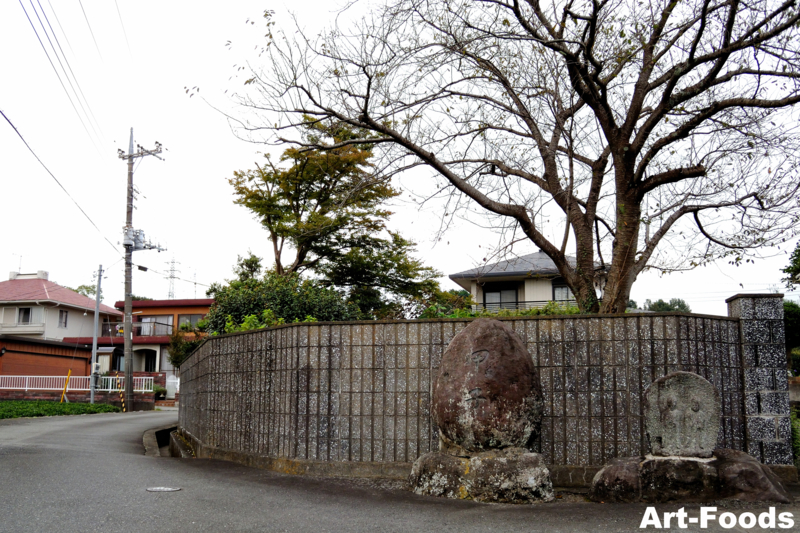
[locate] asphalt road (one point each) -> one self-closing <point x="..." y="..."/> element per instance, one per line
<point x="89" y="473"/>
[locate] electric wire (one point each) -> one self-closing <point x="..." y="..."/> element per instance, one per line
<point x="58" y="75"/>
<point x="58" y="182"/>
<point x="90" y="29"/>
<point x="80" y="89"/>
<point x="60" y="26"/>
<point x="174" y="277"/>
<point x="79" y="92"/>
<point x="125" y="33"/>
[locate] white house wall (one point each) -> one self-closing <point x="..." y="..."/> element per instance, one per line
<point x="78" y="325"/>
<point x="477" y="292"/>
<point x="538" y="290"/>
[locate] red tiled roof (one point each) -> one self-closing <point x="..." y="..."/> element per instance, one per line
<point x="42" y="290"/>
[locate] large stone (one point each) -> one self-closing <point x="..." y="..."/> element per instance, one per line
<point x="676" y="479"/>
<point x="510" y="475"/>
<point x="440" y="474"/>
<point x="741" y="477"/>
<point x="729" y="474"/>
<point x="487" y="393"/>
<point x="681" y="415"/>
<point x="618" y="481"/>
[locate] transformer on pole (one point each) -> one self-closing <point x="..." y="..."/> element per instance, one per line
<point x="133" y="240"/>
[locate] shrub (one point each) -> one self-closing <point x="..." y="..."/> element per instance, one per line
<point x="242" y="303"/>
<point x="795" y="437"/>
<point x="551" y="308"/>
<point x="28" y="408"/>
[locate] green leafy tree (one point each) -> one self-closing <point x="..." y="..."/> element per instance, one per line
<point x="247" y="267"/>
<point x="792" y="270"/>
<point x="85" y="290"/>
<point x="183" y="342"/>
<point x="674" y="305"/>
<point x="791" y="324"/>
<point x="323" y="211"/>
<point x="321" y="204"/>
<point x="288" y="297"/>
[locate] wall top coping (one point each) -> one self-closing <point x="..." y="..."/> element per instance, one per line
<point x="447" y="320"/>
<point x="755" y="295"/>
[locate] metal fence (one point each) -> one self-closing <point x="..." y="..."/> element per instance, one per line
<point x="77" y="383"/>
<point x="140" y="329"/>
<point x="537" y="304"/>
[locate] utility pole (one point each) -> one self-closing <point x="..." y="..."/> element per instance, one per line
<point x="95" y="373"/>
<point x="132" y="240"/>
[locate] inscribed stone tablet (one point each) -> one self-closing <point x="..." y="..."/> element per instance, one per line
<point x="681" y="413"/>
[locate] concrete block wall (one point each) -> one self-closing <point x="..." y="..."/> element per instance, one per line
<point x="766" y="384"/>
<point x="360" y="392"/>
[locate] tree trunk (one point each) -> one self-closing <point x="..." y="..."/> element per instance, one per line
<point x="622" y="274"/>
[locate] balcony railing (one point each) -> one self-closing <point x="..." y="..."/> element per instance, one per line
<point x="538" y="304"/>
<point x="140" y="329"/>
<point x="76" y="383"/>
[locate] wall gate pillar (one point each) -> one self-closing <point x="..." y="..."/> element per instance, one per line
<point x="766" y="385"/>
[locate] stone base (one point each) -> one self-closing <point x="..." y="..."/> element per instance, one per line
<point x="728" y="474"/>
<point x="511" y="475"/>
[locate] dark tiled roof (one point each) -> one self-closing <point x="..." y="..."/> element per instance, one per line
<point x="532" y="264"/>
<point x="42" y="290"/>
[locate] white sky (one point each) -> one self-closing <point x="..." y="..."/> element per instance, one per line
<point x="185" y="202"/>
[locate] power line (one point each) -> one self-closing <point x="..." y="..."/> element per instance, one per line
<point x="57" y="75"/>
<point x="80" y="90"/>
<point x="167" y="275"/>
<point x="90" y="29"/>
<point x="125" y="33"/>
<point x="58" y="182"/>
<point x="60" y="26"/>
<point x="58" y="58"/>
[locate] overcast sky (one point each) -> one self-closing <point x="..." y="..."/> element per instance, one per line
<point x="128" y="65"/>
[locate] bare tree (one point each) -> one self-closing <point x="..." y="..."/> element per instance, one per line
<point x="662" y="133"/>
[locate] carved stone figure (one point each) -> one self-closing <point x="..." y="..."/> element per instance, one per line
<point x="487" y="394"/>
<point x="681" y="413"/>
<point x="682" y="421"/>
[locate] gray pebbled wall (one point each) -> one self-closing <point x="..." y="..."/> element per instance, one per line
<point x="768" y="427"/>
<point x="361" y="392"/>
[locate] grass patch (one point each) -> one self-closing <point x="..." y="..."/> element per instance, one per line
<point x="25" y="408"/>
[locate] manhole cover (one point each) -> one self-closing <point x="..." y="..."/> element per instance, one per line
<point x="162" y="489"/>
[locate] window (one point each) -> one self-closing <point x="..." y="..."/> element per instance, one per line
<point x="62" y="318"/>
<point x="24" y="315"/>
<point x="191" y="320"/>
<point x="499" y="297"/>
<point x="158" y="325"/>
<point x="562" y="293"/>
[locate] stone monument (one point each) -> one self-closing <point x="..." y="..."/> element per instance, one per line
<point x="681" y="412"/>
<point x="487" y="404"/>
<point x="681" y="415"/>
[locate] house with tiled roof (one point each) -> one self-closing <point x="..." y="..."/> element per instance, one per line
<point x="522" y="282"/>
<point x="32" y="306"/>
<point x="153" y="323"/>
